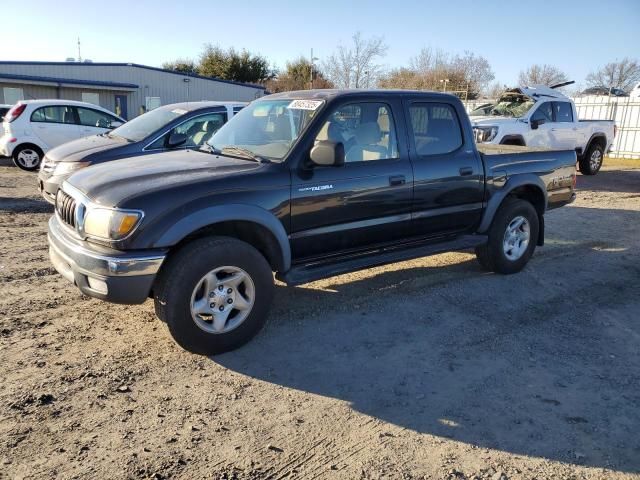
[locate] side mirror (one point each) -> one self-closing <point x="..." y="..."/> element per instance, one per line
<point x="327" y="154"/>
<point x="176" y="140"/>
<point x="115" y="124"/>
<point x="536" y="123"/>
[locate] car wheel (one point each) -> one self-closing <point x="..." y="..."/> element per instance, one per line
<point x="591" y="162"/>
<point x="27" y="157"/>
<point x="214" y="294"/>
<point x="512" y="238"/>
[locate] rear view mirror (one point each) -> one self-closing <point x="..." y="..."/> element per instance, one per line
<point x="115" y="124"/>
<point x="327" y="154"/>
<point x="176" y="140"/>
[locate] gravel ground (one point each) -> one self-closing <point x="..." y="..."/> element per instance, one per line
<point x="423" y="369"/>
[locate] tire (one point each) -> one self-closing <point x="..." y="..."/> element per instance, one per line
<point x="27" y="157"/>
<point x="181" y="291"/>
<point x="591" y="162"/>
<point x="496" y="255"/>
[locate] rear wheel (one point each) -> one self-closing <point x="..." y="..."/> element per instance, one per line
<point x="27" y="157"/>
<point x="591" y="162"/>
<point x="214" y="294"/>
<point x="512" y="238"/>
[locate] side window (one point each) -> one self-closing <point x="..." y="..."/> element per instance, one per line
<point x="436" y="128"/>
<point x="55" y="114"/>
<point x="94" y="118"/>
<point x="563" y="112"/>
<point x="544" y="113"/>
<point x="200" y="129"/>
<point x="366" y="130"/>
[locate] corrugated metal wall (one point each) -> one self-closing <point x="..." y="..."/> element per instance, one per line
<point x="170" y="87"/>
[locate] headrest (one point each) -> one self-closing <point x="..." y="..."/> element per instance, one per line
<point x="368" y="133"/>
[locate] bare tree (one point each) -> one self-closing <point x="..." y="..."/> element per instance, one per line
<point x="495" y="90"/>
<point x="623" y="75"/>
<point x="541" y="75"/>
<point x="356" y="67"/>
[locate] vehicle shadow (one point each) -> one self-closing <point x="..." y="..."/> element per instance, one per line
<point x="513" y="363"/>
<point x="625" y="181"/>
<point x="25" y="205"/>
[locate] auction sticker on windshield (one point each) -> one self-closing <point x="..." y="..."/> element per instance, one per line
<point x="305" y="104"/>
<point x="179" y="111"/>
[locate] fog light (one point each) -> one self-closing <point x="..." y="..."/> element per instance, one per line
<point x="99" y="286"/>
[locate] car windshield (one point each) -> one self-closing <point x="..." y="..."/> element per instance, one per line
<point x="482" y="110"/>
<point x="511" y="105"/>
<point x="266" y="129"/>
<point x="144" y="125"/>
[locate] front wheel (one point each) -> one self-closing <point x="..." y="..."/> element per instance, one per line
<point x="27" y="158"/>
<point x="591" y="163"/>
<point x="214" y="294"/>
<point x="512" y="238"/>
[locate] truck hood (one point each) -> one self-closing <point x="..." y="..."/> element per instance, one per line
<point x="78" y="150"/>
<point x="113" y="183"/>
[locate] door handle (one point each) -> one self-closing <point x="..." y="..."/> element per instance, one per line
<point x="466" y="171"/>
<point x="397" y="180"/>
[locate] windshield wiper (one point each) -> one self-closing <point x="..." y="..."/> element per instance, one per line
<point x="240" y="152"/>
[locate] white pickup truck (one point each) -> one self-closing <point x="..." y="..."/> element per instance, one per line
<point x="541" y="116"/>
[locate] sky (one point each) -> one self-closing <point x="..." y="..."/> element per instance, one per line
<point x="576" y="36"/>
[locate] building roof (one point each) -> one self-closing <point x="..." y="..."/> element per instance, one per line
<point x="68" y="81"/>
<point x="135" y="65"/>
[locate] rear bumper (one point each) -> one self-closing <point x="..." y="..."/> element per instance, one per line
<point x="99" y="272"/>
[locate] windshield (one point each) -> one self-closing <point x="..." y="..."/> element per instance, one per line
<point x="266" y="128"/>
<point x="511" y="105"/>
<point x="144" y="125"/>
<point x="482" y="110"/>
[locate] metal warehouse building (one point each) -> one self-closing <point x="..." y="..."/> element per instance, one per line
<point x="127" y="89"/>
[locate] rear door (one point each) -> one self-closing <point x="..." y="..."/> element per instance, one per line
<point x="448" y="173"/>
<point x="366" y="201"/>
<point x="56" y="124"/>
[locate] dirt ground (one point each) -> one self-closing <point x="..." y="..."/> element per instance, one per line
<point x="423" y="369"/>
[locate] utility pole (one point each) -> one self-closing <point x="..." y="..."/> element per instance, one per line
<point x="79" y="56"/>
<point x="313" y="59"/>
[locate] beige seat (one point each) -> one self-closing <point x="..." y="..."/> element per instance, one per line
<point x="367" y="136"/>
<point x="206" y="132"/>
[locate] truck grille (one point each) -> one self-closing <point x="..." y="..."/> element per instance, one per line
<point x="66" y="208"/>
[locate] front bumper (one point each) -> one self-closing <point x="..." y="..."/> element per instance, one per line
<point x="101" y="272"/>
<point x="49" y="184"/>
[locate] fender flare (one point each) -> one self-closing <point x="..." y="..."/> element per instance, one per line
<point x="593" y="137"/>
<point x="509" y="138"/>
<point x="232" y="212"/>
<point x="497" y="196"/>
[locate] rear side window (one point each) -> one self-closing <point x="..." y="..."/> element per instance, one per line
<point x="436" y="128"/>
<point x="54" y="114"/>
<point x="563" y="111"/>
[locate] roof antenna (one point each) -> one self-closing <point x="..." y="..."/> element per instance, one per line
<point x="79" y="56"/>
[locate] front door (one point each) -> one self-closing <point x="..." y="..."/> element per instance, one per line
<point x="448" y="173"/>
<point x="366" y="201"/>
<point x="121" y="106"/>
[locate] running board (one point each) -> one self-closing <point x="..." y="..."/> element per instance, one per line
<point x="300" y="274"/>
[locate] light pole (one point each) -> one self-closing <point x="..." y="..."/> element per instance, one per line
<point x="312" y="58"/>
<point x="444" y="84"/>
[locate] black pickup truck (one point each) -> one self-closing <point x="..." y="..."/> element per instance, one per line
<point x="307" y="185"/>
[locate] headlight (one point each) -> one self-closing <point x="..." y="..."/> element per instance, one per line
<point x="485" y="134"/>
<point x="63" y="168"/>
<point x="110" y="224"/>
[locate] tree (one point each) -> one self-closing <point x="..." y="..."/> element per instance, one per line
<point x="356" y="67"/>
<point x="232" y="65"/>
<point x="623" y="75"/>
<point x="297" y="76"/>
<point x="181" y="65"/>
<point x="466" y="74"/>
<point x="541" y="75"/>
<point x="495" y="90"/>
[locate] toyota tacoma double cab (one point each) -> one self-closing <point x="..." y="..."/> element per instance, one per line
<point x="541" y="116"/>
<point x="307" y="185"/>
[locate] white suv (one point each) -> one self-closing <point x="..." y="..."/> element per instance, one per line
<point x="32" y="127"/>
